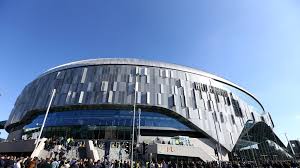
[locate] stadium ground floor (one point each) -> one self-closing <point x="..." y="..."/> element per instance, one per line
<point x="107" y="133"/>
<point x="257" y="143"/>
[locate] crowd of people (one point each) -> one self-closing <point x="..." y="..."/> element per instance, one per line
<point x="50" y="143"/>
<point x="27" y="162"/>
<point x="58" y="147"/>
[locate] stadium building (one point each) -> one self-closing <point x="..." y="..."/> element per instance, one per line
<point x="181" y="112"/>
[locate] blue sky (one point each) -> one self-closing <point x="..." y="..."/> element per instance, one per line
<point x="253" y="43"/>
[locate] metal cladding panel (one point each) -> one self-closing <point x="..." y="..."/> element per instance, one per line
<point x="200" y="99"/>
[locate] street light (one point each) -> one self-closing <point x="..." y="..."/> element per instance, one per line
<point x="139" y="127"/>
<point x="214" y="115"/>
<point x="133" y="121"/>
<point x="45" y="118"/>
<point x="218" y="145"/>
<point x="134" y="109"/>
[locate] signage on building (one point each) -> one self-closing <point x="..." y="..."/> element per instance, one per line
<point x="211" y="89"/>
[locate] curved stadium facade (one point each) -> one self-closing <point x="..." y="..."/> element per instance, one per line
<point x="94" y="100"/>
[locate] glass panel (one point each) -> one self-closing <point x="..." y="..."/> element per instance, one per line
<point x="107" y="118"/>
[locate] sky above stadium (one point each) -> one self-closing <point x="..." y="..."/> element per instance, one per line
<point x="253" y="43"/>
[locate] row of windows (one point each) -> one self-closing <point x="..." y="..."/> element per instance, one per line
<point x="107" y="118"/>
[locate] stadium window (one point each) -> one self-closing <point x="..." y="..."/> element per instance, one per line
<point x="171" y="101"/>
<point x="222" y="117"/>
<point x="215" y="116"/>
<point x="217" y="98"/>
<point x="232" y="118"/>
<point x="225" y="102"/>
<point x="187" y="113"/>
<point x="228" y="101"/>
<point x="231" y="138"/>
<point x="209" y="106"/>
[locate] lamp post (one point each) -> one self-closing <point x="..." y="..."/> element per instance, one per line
<point x="218" y="145"/>
<point x="45" y="118"/>
<point x="214" y="116"/>
<point x="133" y="122"/>
<point x="134" y="110"/>
<point x="139" y="127"/>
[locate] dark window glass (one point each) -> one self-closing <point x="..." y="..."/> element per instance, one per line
<point x="217" y="98"/>
<point x="209" y="106"/>
<point x="236" y="107"/>
<point x="215" y="116"/>
<point x="228" y="101"/>
<point x="187" y="113"/>
<point x="222" y="117"/>
<point x="107" y="118"/>
<point x="232" y="118"/>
